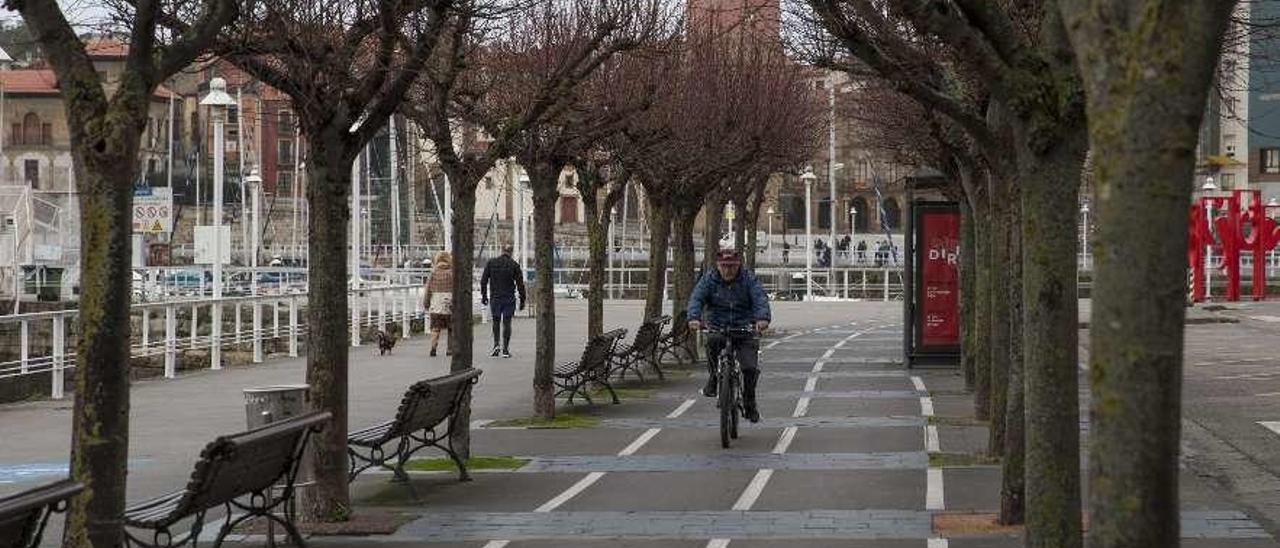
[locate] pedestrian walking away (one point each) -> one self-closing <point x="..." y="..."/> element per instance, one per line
<point x="499" y="284"/>
<point x="439" y="300"/>
<point x="731" y="297"/>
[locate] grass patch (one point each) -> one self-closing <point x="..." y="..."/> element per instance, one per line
<point x="940" y="460"/>
<point x="445" y="464"/>
<point x="564" y="420"/>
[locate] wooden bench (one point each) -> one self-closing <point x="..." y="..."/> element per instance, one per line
<point x="250" y="474"/>
<point x="594" y="367"/>
<point x="24" y="515"/>
<point x="643" y="350"/>
<point x="676" y="343"/>
<point x="424" y="407"/>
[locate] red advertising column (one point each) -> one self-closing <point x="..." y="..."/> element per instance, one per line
<point x="938" y="320"/>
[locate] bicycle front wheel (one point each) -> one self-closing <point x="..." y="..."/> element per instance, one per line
<point x="727" y="407"/>
<point x="736" y="409"/>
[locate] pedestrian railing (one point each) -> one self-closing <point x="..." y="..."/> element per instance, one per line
<point x="46" y="347"/>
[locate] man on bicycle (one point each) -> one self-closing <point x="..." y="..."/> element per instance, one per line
<point x="730" y="297"/>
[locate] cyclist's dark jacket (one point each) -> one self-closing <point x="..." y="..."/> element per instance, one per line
<point x="503" y="275"/>
<point x="729" y="304"/>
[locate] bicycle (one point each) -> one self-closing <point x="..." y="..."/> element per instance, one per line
<point x="729" y="377"/>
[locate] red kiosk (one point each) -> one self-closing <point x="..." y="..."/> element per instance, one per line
<point x="931" y="281"/>
<point x="1223" y="227"/>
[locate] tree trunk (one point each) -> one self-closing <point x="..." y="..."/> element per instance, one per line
<point x="1013" y="485"/>
<point x="329" y="335"/>
<point x="982" y="229"/>
<point x="682" y="270"/>
<point x="1146" y="97"/>
<point x="711" y="229"/>
<point x="1050" y="189"/>
<point x="545" y="194"/>
<point x="999" y="319"/>
<point x="100" y="416"/>
<point x="968" y="288"/>
<point x="597" y="259"/>
<point x="753" y="213"/>
<point x="659" y="233"/>
<point x="461" y="336"/>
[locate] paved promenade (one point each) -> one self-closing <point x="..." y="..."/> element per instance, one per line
<point x="842" y="457"/>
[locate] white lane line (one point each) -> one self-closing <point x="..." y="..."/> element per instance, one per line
<point x="571" y="492"/>
<point x="817" y="366"/>
<point x="718" y="543"/>
<point x="828" y="353"/>
<point x="497" y="544"/>
<point x="802" y="407"/>
<point x="811" y="384"/>
<point x="683" y="407"/>
<point x="919" y="384"/>
<point x="771" y="345"/>
<point x="926" y="407"/>
<point x="933" y="493"/>
<point x="938" y="543"/>
<point x="931" y="439"/>
<point x="748" y="498"/>
<point x="640" y="441"/>
<point x="784" y="442"/>
<point x="1267" y="395"/>
<point x="1273" y="426"/>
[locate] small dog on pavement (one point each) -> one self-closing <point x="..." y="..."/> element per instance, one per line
<point x="386" y="341"/>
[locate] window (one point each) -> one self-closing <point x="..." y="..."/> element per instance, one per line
<point x="1228" y="181"/>
<point x="285" y="152"/>
<point x="15" y="137"/>
<point x="31" y="172"/>
<point x="46" y="134"/>
<point x="488" y="183"/>
<point x="1271" y="160"/>
<point x="286" y="122"/>
<point x="284" y="183"/>
<point x="824" y="213"/>
<point x="30" y="129"/>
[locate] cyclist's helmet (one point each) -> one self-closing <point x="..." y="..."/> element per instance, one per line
<point x="729" y="257"/>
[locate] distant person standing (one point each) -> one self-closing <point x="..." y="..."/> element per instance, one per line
<point x="503" y="275"/>
<point x="439" y="299"/>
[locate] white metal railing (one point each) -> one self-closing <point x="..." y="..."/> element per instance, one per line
<point x="371" y="306"/>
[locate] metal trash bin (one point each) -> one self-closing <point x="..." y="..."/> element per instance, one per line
<point x="267" y="404"/>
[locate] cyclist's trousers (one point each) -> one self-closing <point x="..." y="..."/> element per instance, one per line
<point x="748" y="352"/>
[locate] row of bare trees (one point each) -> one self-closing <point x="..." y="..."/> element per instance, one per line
<point x="1009" y="97"/>
<point x="618" y="90"/>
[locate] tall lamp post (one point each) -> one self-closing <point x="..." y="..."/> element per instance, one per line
<point x="853" y="231"/>
<point x="217" y="100"/>
<point x="808" y="177"/>
<point x="730" y="214"/>
<point x="522" y="232"/>
<point x="1084" y="235"/>
<point x="1209" y="186"/>
<point x="255" y="191"/>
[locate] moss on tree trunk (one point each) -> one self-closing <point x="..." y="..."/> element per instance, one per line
<point x="597" y="259"/>
<point x="659" y="233"/>
<point x="100" y="421"/>
<point x="1050" y="337"/>
<point x="999" y="319"/>
<point x="461" y="334"/>
<point x="328" y="340"/>
<point x="545" y="194"/>
<point x="682" y="269"/>
<point x="1013" y="474"/>
<point x="968" y="288"/>
<point x="982" y="315"/>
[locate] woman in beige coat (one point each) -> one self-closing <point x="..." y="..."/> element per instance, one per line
<point x="439" y="299"/>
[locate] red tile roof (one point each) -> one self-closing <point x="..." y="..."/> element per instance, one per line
<point x="108" y="49"/>
<point x="40" y="82"/>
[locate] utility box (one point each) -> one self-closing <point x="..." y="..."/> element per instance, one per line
<point x="264" y="405"/>
<point x="931" y="273"/>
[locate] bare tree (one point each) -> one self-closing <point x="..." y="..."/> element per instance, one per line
<point x="346" y="65"/>
<point x="1146" y="95"/>
<point x="106" y="118"/>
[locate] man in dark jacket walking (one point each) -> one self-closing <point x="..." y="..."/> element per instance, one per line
<point x="730" y="297"/>
<point x="504" y="276"/>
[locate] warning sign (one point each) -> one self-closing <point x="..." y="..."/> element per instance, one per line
<point x="152" y="210"/>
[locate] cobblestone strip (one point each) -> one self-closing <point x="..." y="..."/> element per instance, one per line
<point x="844" y="524"/>
<point x="727" y="461"/>
<point x="769" y="422"/>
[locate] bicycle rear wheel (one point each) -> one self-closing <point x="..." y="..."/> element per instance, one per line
<point x="727" y="407"/>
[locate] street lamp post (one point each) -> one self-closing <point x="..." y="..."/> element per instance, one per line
<point x="1208" y="187"/>
<point x="609" y="247"/>
<point x="768" y="241"/>
<point x="808" y="177"/>
<point x="217" y="100"/>
<point x="730" y="213"/>
<point x="1084" y="234"/>
<point x="853" y="231"/>
<point x="255" y="191"/>
<point x="522" y="234"/>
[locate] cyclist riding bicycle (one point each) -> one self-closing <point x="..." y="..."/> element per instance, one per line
<point x="731" y="297"/>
